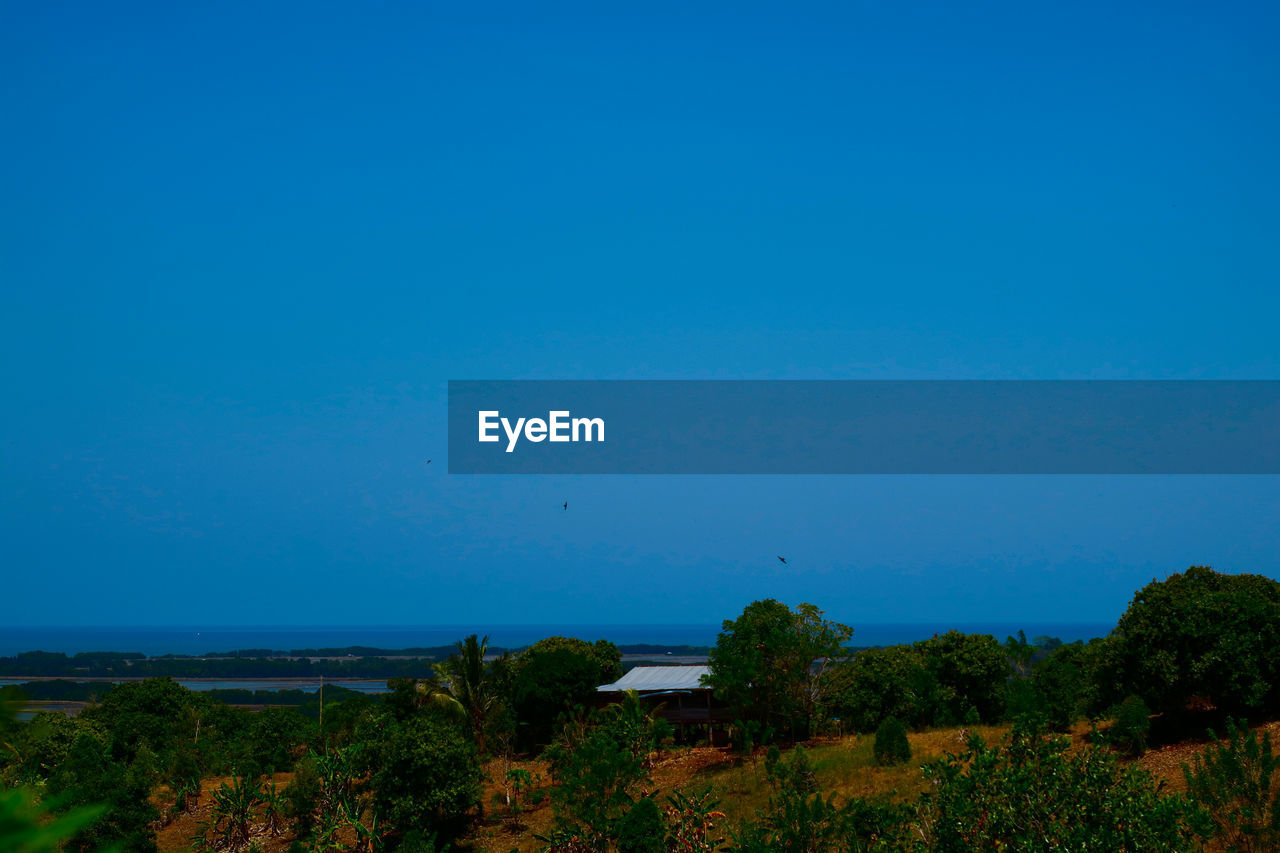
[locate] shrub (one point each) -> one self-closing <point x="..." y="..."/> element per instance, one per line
<point x="793" y="773"/>
<point x="1234" y="781"/>
<point x="303" y="795"/>
<point x="415" y="841"/>
<point x="1029" y="794"/>
<point x="892" y="746"/>
<point x="641" y="829"/>
<point x="1132" y="726"/>
<point x="596" y="777"/>
<point x="424" y="775"/>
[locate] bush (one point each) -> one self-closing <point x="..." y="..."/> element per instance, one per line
<point x="415" y="841"/>
<point x="303" y="795"/>
<point x="1029" y="794"/>
<point x="792" y="773"/>
<point x="595" y="779"/>
<point x="424" y="775"/>
<point x="1132" y="726"/>
<point x="892" y="746"/>
<point x="1234" y="782"/>
<point x="641" y="829"/>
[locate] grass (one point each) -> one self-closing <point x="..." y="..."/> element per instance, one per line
<point x="845" y="766"/>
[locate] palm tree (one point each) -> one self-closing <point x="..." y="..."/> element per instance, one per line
<point x="467" y="686"/>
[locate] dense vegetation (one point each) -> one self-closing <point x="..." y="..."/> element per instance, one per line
<point x="408" y="770"/>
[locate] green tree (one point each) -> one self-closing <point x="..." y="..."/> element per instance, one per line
<point x="274" y="737"/>
<point x="41" y="745"/>
<point x="424" y="774"/>
<point x="555" y="674"/>
<point x="933" y="682"/>
<point x="1020" y="653"/>
<point x="1063" y="681"/>
<point x="89" y="777"/>
<point x="970" y="671"/>
<point x="155" y="713"/>
<point x="772" y="664"/>
<point x="1198" y="634"/>
<point x="1060" y="688"/>
<point x="880" y="683"/>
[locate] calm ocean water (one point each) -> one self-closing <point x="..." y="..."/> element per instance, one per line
<point x="204" y="639"/>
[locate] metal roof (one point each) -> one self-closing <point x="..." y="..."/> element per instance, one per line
<point x="646" y="678"/>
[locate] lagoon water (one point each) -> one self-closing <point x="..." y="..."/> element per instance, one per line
<point x="306" y="685"/>
<point x="206" y="639"/>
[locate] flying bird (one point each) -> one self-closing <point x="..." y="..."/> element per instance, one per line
<point x="428" y="461"/>
<point x="566" y="506"/>
<point x="782" y="560"/>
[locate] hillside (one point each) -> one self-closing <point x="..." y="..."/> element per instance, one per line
<point x="842" y="765"/>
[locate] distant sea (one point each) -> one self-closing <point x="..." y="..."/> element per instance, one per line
<point x="206" y="639"/>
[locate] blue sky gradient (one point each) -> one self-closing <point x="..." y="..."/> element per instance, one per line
<point x="243" y="249"/>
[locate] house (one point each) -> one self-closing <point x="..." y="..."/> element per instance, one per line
<point x="678" y="695"/>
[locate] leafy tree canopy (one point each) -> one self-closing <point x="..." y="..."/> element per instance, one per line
<point x="424" y="774"/>
<point x="555" y="673"/>
<point x="940" y="681"/>
<point x="1198" y="633"/>
<point x="771" y="663"/>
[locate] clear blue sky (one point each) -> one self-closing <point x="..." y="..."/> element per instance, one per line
<point x="244" y="246"/>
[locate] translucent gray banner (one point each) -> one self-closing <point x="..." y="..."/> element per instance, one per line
<point x="864" y="427"/>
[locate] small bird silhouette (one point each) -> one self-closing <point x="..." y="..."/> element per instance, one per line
<point x="566" y="506"/>
<point x="782" y="560"/>
<point x="428" y="461"/>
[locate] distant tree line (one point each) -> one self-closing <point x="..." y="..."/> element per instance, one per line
<point x="364" y="662"/>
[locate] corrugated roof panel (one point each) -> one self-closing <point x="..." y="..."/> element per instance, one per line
<point x="658" y="678"/>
